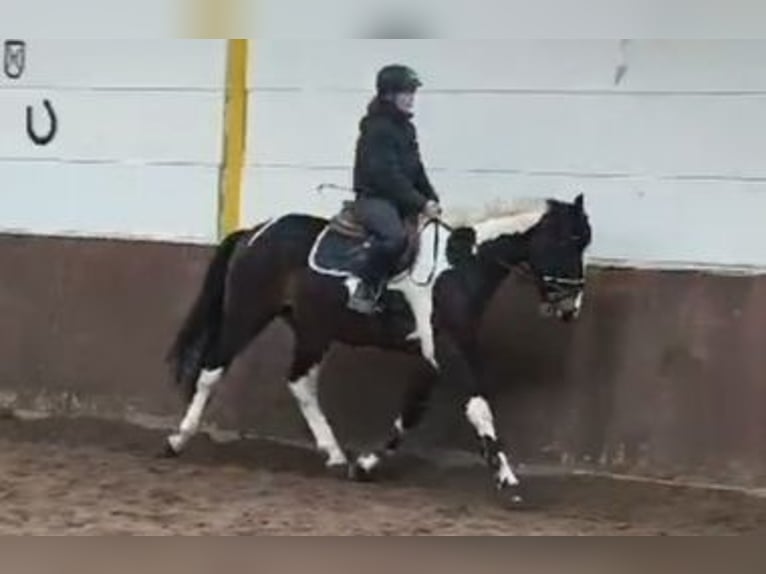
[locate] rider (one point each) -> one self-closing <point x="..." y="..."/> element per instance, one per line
<point x="389" y="179"/>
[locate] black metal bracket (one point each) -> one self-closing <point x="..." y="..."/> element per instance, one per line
<point x="14" y="58"/>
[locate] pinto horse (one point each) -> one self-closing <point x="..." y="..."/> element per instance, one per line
<point x="434" y="308"/>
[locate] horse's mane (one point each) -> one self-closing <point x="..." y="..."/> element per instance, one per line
<point x="495" y="210"/>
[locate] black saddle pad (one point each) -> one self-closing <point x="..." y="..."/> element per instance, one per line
<point x="338" y="255"/>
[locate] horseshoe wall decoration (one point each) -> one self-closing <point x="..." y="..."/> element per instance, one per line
<point x="49" y="136"/>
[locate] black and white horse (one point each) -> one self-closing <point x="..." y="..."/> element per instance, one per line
<point x="433" y="309"/>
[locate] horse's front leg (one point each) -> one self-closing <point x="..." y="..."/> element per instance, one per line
<point x="479" y="414"/>
<point x="459" y="362"/>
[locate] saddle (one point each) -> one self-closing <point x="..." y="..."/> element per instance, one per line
<point x="338" y="249"/>
<point x="346" y="223"/>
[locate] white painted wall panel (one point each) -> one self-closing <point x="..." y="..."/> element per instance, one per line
<point x="696" y="65"/>
<point x="117" y="63"/>
<point x="276" y="191"/>
<point x="120" y="126"/>
<point x="645" y="223"/>
<point x="138" y="145"/>
<point x="524" y="65"/>
<point x="646" y="135"/>
<point x="670" y="158"/>
<point x="444" y="64"/>
<point x="174" y="203"/>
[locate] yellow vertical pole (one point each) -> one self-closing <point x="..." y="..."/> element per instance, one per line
<point x="235" y="137"/>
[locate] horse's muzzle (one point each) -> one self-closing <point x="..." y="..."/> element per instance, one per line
<point x="565" y="309"/>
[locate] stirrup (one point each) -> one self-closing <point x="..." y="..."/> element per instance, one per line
<point x="365" y="299"/>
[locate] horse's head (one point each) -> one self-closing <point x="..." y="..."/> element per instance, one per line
<point x="555" y="253"/>
<point x="550" y="237"/>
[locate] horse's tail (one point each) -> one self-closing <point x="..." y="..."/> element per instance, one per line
<point x="199" y="331"/>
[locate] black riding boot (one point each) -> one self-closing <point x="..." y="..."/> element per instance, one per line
<point x="366" y="296"/>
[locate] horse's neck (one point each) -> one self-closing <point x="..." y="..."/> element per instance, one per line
<point x="501" y="244"/>
<point x="494" y="270"/>
<point x="493" y="263"/>
<point x="501" y="241"/>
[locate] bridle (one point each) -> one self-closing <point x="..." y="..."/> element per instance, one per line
<point x="557" y="289"/>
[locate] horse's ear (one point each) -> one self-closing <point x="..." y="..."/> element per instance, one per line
<point x="580" y="202"/>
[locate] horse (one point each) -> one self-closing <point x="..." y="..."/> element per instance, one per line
<point x="433" y="308"/>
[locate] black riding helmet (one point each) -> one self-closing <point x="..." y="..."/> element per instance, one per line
<point x="397" y="79"/>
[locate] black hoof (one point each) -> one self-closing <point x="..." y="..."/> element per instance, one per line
<point x="362" y="471"/>
<point x="358" y="474"/>
<point x="513" y="497"/>
<point x="168" y="452"/>
<point x="338" y="471"/>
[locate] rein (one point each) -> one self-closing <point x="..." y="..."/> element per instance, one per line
<point x="439" y="225"/>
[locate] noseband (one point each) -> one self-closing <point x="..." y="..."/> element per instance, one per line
<point x="558" y="289"/>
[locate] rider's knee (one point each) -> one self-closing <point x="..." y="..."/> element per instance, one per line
<point x="395" y="243"/>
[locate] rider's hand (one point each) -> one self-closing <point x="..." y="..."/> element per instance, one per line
<point x="432" y="210"/>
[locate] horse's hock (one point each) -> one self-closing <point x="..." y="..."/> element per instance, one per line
<point x="660" y="377"/>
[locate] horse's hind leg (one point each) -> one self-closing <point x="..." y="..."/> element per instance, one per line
<point x="304" y="385"/>
<point x="417" y="397"/>
<point x="215" y="363"/>
<point x="190" y="424"/>
<point x="414" y="408"/>
<point x="234" y="336"/>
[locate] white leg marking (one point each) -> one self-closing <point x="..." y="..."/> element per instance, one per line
<point x="191" y="422"/>
<point x="505" y="475"/>
<point x="480" y="416"/>
<point x="306" y="392"/>
<point x="421" y="303"/>
<point x="368" y="461"/>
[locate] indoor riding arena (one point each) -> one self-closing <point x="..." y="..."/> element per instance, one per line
<point x="123" y="163"/>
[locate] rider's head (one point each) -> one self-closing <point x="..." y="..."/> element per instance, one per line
<point x="398" y="84"/>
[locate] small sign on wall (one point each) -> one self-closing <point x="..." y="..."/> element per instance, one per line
<point x="14" y="58"/>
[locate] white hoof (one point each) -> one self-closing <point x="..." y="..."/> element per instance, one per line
<point x="176" y="443"/>
<point x="335" y="459"/>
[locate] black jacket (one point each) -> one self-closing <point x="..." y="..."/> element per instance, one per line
<point x="388" y="163"/>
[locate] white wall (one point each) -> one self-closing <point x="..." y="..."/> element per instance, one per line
<point x="139" y="142"/>
<point x="670" y="159"/>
